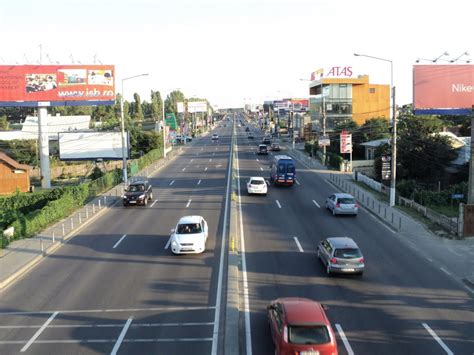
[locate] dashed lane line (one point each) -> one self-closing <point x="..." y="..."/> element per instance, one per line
<point x="317" y="204"/>
<point x="154" y="202"/>
<point x="300" y="248"/>
<point x="199" y="182"/>
<point x="121" y="336"/>
<point x="172" y="182"/>
<point x="344" y="340"/>
<point x="38" y="333"/>
<point x="278" y="203"/>
<point x="189" y="202"/>
<point x="297" y="182"/>
<point x="438" y="339"/>
<point x="119" y="241"/>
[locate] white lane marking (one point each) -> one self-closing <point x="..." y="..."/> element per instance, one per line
<point x="213" y="153"/>
<point x="121" y="336"/>
<point x="168" y="243"/>
<point x="344" y="340"/>
<point x="297" y="182"/>
<point x="199" y="182"/>
<point x="445" y="271"/>
<point x="268" y="182"/>
<point x="192" y="160"/>
<point x="172" y="182"/>
<point x="298" y="244"/>
<point x="183" y="169"/>
<point x="217" y="313"/>
<point x="278" y="203"/>
<point x="205" y="169"/>
<point x="317" y="204"/>
<point x="110" y="325"/>
<point x="38" y="333"/>
<point x="438" y="339"/>
<point x="248" y="336"/>
<point x="153" y="203"/>
<point x="261" y="168"/>
<point x="210" y="159"/>
<point x="119" y="241"/>
<point x="189" y="202"/>
<point x="258" y="160"/>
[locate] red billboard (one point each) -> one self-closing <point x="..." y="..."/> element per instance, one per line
<point x="442" y="89"/>
<point x="57" y="85"/>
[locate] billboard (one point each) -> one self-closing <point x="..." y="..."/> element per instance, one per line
<point x="346" y="142"/>
<point x="57" y="85"/>
<point x="443" y="89"/>
<point x="91" y="145"/>
<point x="197" y="106"/>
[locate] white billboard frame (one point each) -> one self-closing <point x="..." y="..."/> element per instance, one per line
<point x="80" y="145"/>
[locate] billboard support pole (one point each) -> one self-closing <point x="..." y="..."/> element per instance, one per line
<point x="470" y="197"/>
<point x="44" y="147"/>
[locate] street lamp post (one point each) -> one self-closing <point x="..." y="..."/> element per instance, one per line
<point x="122" y="124"/>
<point x="394" y="129"/>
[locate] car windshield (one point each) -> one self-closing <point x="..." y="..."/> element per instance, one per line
<point x="189" y="228"/>
<point x="347" y="253"/>
<point x="316" y="334"/>
<point x="136" y="188"/>
<point x="257" y="182"/>
<point x="346" y="201"/>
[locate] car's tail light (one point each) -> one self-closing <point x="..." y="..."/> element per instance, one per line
<point x="285" y="334"/>
<point x="333" y="261"/>
<point x="338" y="205"/>
<point x="361" y="260"/>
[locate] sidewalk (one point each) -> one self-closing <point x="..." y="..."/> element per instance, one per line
<point x="22" y="255"/>
<point x="454" y="257"/>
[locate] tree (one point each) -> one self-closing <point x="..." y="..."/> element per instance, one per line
<point x="156" y="106"/>
<point x="171" y="102"/>
<point x="137" y="108"/>
<point x="422" y="154"/>
<point x="4" y="123"/>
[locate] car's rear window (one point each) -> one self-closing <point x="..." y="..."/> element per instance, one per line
<point x="346" y="200"/>
<point x="317" y="334"/>
<point x="257" y="182"/>
<point x="347" y="253"/>
<point x="190" y="228"/>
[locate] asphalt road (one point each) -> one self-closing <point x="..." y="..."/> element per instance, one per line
<point x="115" y="288"/>
<point x="403" y="304"/>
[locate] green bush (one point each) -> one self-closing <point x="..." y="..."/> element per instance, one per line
<point x="308" y="147"/>
<point x="334" y="160"/>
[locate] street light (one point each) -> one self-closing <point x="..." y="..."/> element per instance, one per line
<point x="122" y="123"/>
<point x="163" y="118"/>
<point x="394" y="127"/>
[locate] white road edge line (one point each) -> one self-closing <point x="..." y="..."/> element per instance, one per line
<point x="172" y="182"/>
<point x="248" y="335"/>
<point x="119" y="241"/>
<point x="217" y="313"/>
<point x="438" y="339"/>
<point x="121" y="336"/>
<point x="153" y="203"/>
<point x="278" y="203"/>
<point x="298" y="244"/>
<point x="317" y="204"/>
<point x="199" y="182"/>
<point x="38" y="333"/>
<point x="344" y="340"/>
<point x="189" y="202"/>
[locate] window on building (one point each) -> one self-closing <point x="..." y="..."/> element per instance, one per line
<point x="371" y="90"/>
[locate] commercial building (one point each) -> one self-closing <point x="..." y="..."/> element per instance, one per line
<point x="346" y="99"/>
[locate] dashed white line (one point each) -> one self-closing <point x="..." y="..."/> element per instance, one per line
<point x="258" y="160"/>
<point x="191" y="160"/>
<point x="297" y="182"/>
<point x="119" y="241"/>
<point x="172" y="182"/>
<point x="278" y="203"/>
<point x="183" y="169"/>
<point x="344" y="340"/>
<point x="189" y="202"/>
<point x="210" y="159"/>
<point x="437" y="338"/>
<point x="38" y="333"/>
<point x="298" y="244"/>
<point x="153" y="203"/>
<point x="199" y="182"/>
<point x="445" y="271"/>
<point x="205" y="169"/>
<point x="121" y="336"/>
<point x="261" y="168"/>
<point x="317" y="204"/>
<point x="168" y="243"/>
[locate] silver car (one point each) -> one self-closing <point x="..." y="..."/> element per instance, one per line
<point x="341" y="255"/>
<point x="340" y="203"/>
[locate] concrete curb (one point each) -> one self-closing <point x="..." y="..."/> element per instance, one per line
<point x="55" y="246"/>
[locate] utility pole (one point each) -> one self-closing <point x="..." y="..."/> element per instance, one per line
<point x="394" y="149"/>
<point x="323" y="111"/>
<point x="470" y="197"/>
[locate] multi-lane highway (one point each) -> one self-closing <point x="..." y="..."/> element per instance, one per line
<point x="402" y="305"/>
<point x="117" y="288"/>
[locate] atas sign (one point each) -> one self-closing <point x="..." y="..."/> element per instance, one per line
<point x="332" y="72"/>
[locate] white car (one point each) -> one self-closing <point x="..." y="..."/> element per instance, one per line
<point x="257" y="185"/>
<point x="215" y="137"/>
<point x="189" y="236"/>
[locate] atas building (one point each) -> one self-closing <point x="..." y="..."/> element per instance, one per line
<point x="346" y="99"/>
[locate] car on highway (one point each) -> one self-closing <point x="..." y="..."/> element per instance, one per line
<point x="189" y="236"/>
<point x="262" y="149"/>
<point x="275" y="147"/>
<point x="300" y="326"/>
<point x="250" y="135"/>
<point x="138" y="192"/>
<point x="215" y="137"/>
<point x="257" y="185"/>
<point x="342" y="203"/>
<point x="247" y="129"/>
<point x="266" y="141"/>
<point x="341" y="255"/>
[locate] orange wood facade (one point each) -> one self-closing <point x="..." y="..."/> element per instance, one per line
<point x="11" y="179"/>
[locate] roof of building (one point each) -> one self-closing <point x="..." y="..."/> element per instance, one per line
<point x="13" y="163"/>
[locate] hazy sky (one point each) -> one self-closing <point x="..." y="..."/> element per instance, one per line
<point x="236" y="51"/>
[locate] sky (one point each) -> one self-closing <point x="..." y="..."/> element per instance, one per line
<point x="235" y="52"/>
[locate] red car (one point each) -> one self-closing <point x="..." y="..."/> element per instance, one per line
<point x="299" y="326"/>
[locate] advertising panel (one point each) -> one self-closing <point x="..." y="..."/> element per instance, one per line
<point x="91" y="145"/>
<point x="299" y="105"/>
<point x="57" y="85"/>
<point x="197" y="106"/>
<point x="346" y="142"/>
<point x="443" y="89"/>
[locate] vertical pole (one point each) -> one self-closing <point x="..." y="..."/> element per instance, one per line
<point x="394" y="142"/>
<point x="163" y="130"/>
<point x="470" y="196"/>
<point x="44" y="147"/>
<point x="124" y="143"/>
<point x="323" y="110"/>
